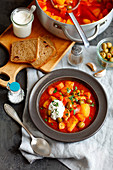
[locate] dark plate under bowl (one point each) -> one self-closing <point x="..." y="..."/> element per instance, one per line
<point x="68" y="74"/>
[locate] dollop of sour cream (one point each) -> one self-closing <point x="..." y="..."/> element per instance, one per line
<point x="57" y="109"/>
<point x="22" y="17"/>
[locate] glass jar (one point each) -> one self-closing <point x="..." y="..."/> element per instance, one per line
<point x="75" y="57"/>
<point x="15" y="93"/>
<point x="22" y="19"/>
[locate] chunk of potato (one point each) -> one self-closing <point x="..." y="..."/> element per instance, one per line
<point x="52" y="98"/>
<point x="85" y="110"/>
<point x="46" y="104"/>
<point x="44" y="8"/>
<point x="61" y="125"/>
<point x="60" y="85"/>
<point x="65" y="91"/>
<point x="66" y="114"/>
<point x="69" y="22"/>
<point x="60" y="2"/>
<point x="80" y="117"/>
<point x="69" y="84"/>
<point x="86" y="21"/>
<point x="51" y="90"/>
<point x="71" y="123"/>
<point x="96" y="11"/>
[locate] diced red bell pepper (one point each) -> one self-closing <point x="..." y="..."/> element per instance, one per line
<point x="75" y="110"/>
<point x="57" y="95"/>
<point x="105" y="12"/>
<point x="63" y="11"/>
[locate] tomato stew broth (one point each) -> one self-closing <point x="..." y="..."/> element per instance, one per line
<point x="88" y="11"/>
<point x="79" y="102"/>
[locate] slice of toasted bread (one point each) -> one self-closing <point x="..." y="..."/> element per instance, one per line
<point x="46" y="50"/>
<point x="24" y="51"/>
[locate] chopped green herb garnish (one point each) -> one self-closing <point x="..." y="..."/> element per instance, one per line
<point x="78" y="94"/>
<point x="76" y="99"/>
<point x="46" y="120"/>
<point x="89" y="117"/>
<point x="74" y="111"/>
<point x="41" y="107"/>
<point x="55" y="103"/>
<point x="71" y="97"/>
<point x="68" y="90"/>
<point x="76" y="88"/>
<point x="71" y="109"/>
<point x="60" y="93"/>
<point x="66" y="114"/>
<point x="56" y="111"/>
<point x="55" y="90"/>
<point x="92" y="104"/>
<point x="52" y="124"/>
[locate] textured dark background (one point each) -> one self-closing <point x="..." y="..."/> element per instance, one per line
<point x="10" y="131"/>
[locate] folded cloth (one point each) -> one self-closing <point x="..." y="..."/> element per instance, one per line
<point x="93" y="153"/>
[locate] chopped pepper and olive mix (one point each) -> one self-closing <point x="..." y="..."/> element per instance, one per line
<point x="107" y="51"/>
<point x="68" y="106"/>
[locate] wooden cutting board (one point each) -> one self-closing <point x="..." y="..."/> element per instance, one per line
<point x="12" y="69"/>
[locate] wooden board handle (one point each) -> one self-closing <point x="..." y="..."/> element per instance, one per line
<point x="11" y="70"/>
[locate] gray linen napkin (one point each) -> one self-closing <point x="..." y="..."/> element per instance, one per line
<point x="93" y="153"/>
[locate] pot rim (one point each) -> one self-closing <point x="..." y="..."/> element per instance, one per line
<point x="83" y="25"/>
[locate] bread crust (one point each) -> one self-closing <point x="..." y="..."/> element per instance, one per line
<point x="24" y="51"/>
<point x="36" y="51"/>
<point x="46" y="50"/>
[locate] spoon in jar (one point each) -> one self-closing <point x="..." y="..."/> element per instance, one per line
<point x="39" y="145"/>
<point x="32" y="9"/>
<point x="70" y="8"/>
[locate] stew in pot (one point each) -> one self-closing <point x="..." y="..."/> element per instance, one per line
<point x="87" y="12"/>
<point x="68" y="106"/>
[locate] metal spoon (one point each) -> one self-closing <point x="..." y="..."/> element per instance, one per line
<point x="76" y="24"/>
<point x="32" y="9"/>
<point x="39" y="145"/>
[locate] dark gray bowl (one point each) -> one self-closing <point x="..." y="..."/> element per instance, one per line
<point x="68" y="74"/>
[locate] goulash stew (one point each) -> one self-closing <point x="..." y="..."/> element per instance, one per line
<point x="88" y="11"/>
<point x="68" y="106"/>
